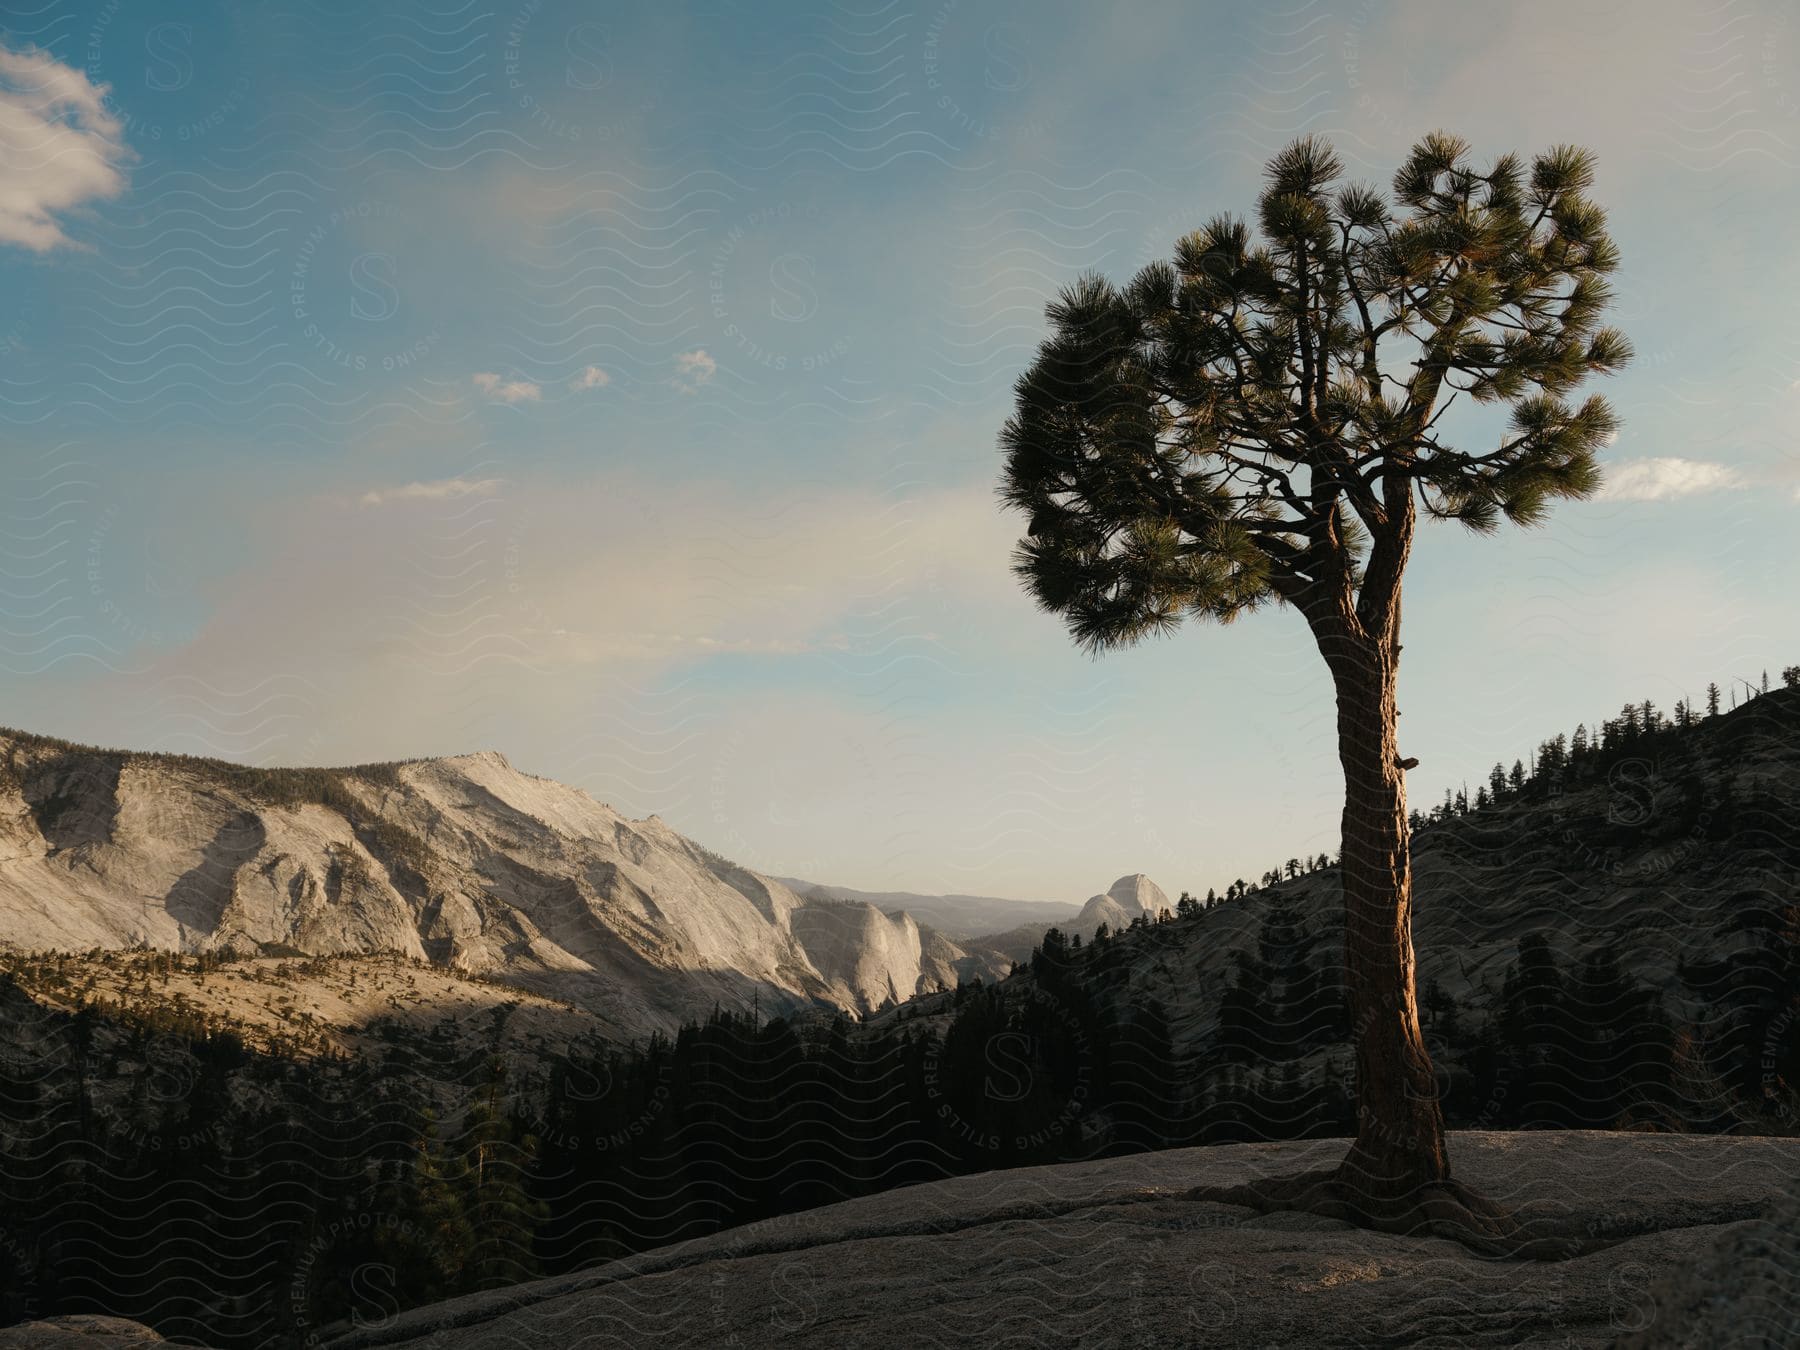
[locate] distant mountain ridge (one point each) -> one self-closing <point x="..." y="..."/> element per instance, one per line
<point x="958" y="917"/>
<point x="464" y="862"/>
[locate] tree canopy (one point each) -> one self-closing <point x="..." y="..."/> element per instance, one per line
<point x="1260" y="418"/>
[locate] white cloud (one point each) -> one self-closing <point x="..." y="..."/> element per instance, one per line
<point x="59" y="147"/>
<point x="693" y="369"/>
<point x="506" y="391"/>
<point x="591" y="378"/>
<point x="1655" y="480"/>
<point x="443" y="489"/>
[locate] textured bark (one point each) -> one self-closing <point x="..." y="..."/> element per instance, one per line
<point x="1400" y="1126"/>
<point x="1396" y="1175"/>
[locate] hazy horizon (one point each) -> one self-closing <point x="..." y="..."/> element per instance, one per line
<point x="620" y="393"/>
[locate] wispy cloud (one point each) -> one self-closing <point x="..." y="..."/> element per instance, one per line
<point x="59" y="147"/>
<point x="1656" y="480"/>
<point x="693" y="369"/>
<point x="562" y="648"/>
<point x="506" y="391"/>
<point x="591" y="378"/>
<point x="443" y="489"/>
<point x="573" y="578"/>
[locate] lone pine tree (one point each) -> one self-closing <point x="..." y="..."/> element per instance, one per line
<point x="1263" y="420"/>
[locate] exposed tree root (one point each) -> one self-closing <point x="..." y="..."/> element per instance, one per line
<point x="1446" y="1209"/>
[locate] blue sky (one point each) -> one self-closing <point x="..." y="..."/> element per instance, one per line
<point x="620" y="389"/>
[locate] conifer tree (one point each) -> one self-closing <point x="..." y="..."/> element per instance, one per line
<point x="1535" y="1028"/>
<point x="1263" y="420"/>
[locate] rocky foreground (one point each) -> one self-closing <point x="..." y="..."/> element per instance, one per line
<point x="1706" y="1256"/>
<point x="1112" y="1254"/>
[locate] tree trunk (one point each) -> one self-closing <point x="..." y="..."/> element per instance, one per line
<point x="1400" y="1125"/>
